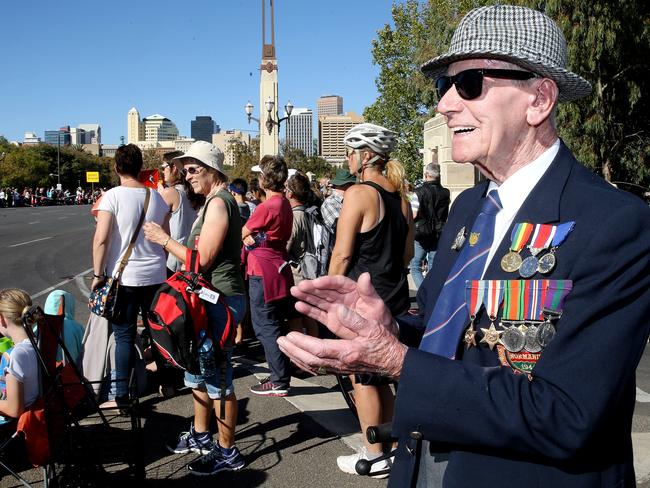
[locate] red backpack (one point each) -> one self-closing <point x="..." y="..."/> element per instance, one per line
<point x="178" y="315"/>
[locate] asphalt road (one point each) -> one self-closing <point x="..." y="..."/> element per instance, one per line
<point x="50" y="247"/>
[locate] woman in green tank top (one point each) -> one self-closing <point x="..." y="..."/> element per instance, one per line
<point x="216" y="234"/>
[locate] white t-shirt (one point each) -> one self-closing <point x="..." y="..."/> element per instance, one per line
<point x="146" y="266"/>
<point x="23" y="365"/>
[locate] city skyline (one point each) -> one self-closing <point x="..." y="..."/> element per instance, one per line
<point x="202" y="60"/>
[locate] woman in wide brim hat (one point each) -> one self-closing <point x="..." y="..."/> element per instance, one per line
<point x="216" y="234"/>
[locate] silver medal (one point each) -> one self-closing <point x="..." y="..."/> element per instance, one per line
<point x="532" y="341"/>
<point x="528" y="267"/>
<point x="513" y="339"/>
<point x="545" y="334"/>
<point x="546" y="263"/>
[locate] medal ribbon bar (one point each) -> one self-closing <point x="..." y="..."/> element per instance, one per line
<point x="520" y="235"/>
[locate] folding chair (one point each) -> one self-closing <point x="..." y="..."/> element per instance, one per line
<point x="56" y="417"/>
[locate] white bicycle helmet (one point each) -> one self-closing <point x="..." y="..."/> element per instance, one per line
<point x="375" y="137"/>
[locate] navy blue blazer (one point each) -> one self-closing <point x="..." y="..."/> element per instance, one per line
<point x="570" y="423"/>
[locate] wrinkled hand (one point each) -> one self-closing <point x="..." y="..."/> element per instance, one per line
<point x="154" y="233"/>
<point x="356" y="314"/>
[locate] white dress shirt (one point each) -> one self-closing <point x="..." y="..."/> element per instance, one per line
<point x="514" y="191"/>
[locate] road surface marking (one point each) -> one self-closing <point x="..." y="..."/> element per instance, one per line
<point x="29" y="242"/>
<point x="61" y="218"/>
<point x="37" y="222"/>
<point x="642" y="396"/>
<point x="54" y="287"/>
<point x="81" y="284"/>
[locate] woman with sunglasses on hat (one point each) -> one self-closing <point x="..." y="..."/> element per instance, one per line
<point x="374" y="235"/>
<point x="216" y="234"/>
<point x="180" y="197"/>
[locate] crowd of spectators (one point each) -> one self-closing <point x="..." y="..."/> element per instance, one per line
<point x="41" y="196"/>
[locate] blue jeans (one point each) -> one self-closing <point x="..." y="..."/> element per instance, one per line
<point x="132" y="300"/>
<point x="418" y="260"/>
<point x="268" y="323"/>
<point x="217" y="322"/>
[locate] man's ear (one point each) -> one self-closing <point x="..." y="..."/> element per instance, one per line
<point x="546" y="95"/>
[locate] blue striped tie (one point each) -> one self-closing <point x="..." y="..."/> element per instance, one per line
<point x="449" y="316"/>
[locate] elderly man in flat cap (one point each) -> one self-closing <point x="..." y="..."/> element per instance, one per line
<point x="537" y="310"/>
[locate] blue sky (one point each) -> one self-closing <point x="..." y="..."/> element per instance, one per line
<point x="69" y="63"/>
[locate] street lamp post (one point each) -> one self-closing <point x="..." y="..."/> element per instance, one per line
<point x="270" y="121"/>
<point x="58" y="157"/>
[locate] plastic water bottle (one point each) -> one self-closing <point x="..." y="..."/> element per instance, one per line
<point x="206" y="355"/>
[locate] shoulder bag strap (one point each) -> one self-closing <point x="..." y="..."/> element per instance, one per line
<point x="129" y="250"/>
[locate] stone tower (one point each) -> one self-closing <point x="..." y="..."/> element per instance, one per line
<point x="269" y="143"/>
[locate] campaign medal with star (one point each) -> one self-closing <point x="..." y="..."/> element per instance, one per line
<point x="474" y="293"/>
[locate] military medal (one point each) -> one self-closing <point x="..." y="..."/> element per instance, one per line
<point x="519" y="237"/>
<point x="553" y="305"/>
<point x="522" y="303"/>
<point x="459" y="240"/>
<point x="493" y="297"/>
<point x="542" y="237"/>
<point x="474" y="291"/>
<point x="548" y="261"/>
<point x="513" y="338"/>
<point x="532" y="343"/>
<point x="491" y="336"/>
<point x="545" y="333"/>
<point x="528" y="267"/>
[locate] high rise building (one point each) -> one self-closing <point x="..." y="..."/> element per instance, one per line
<point x="56" y="137"/>
<point x="299" y="130"/>
<point x="92" y="133"/>
<point x="203" y="127"/>
<point x="135" y="127"/>
<point x="224" y="140"/>
<point x="331" y="130"/>
<point x="77" y="136"/>
<point x="159" y="128"/>
<point x="330" y="105"/>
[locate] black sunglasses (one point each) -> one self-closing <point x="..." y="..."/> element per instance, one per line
<point x="469" y="83"/>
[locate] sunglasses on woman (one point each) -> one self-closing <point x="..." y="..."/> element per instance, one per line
<point x="469" y="83"/>
<point x="192" y="170"/>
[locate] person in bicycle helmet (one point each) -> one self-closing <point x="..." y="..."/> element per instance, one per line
<point x="374" y="235"/>
<point x="373" y="138"/>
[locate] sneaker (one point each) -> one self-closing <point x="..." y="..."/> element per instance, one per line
<point x="219" y="459"/>
<point x="269" y="388"/>
<point x="192" y="442"/>
<point x="347" y="464"/>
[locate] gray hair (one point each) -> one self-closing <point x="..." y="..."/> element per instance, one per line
<point x="432" y="170"/>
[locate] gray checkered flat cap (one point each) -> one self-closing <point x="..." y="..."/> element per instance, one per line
<point x="519" y="35"/>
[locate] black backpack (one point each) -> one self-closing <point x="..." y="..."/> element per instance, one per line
<point x="427" y="227"/>
<point x="178" y="316"/>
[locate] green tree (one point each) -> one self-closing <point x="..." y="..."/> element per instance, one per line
<point x="245" y="157"/>
<point x="608" y="42"/>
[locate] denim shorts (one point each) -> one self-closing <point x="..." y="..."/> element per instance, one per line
<point x="217" y="321"/>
